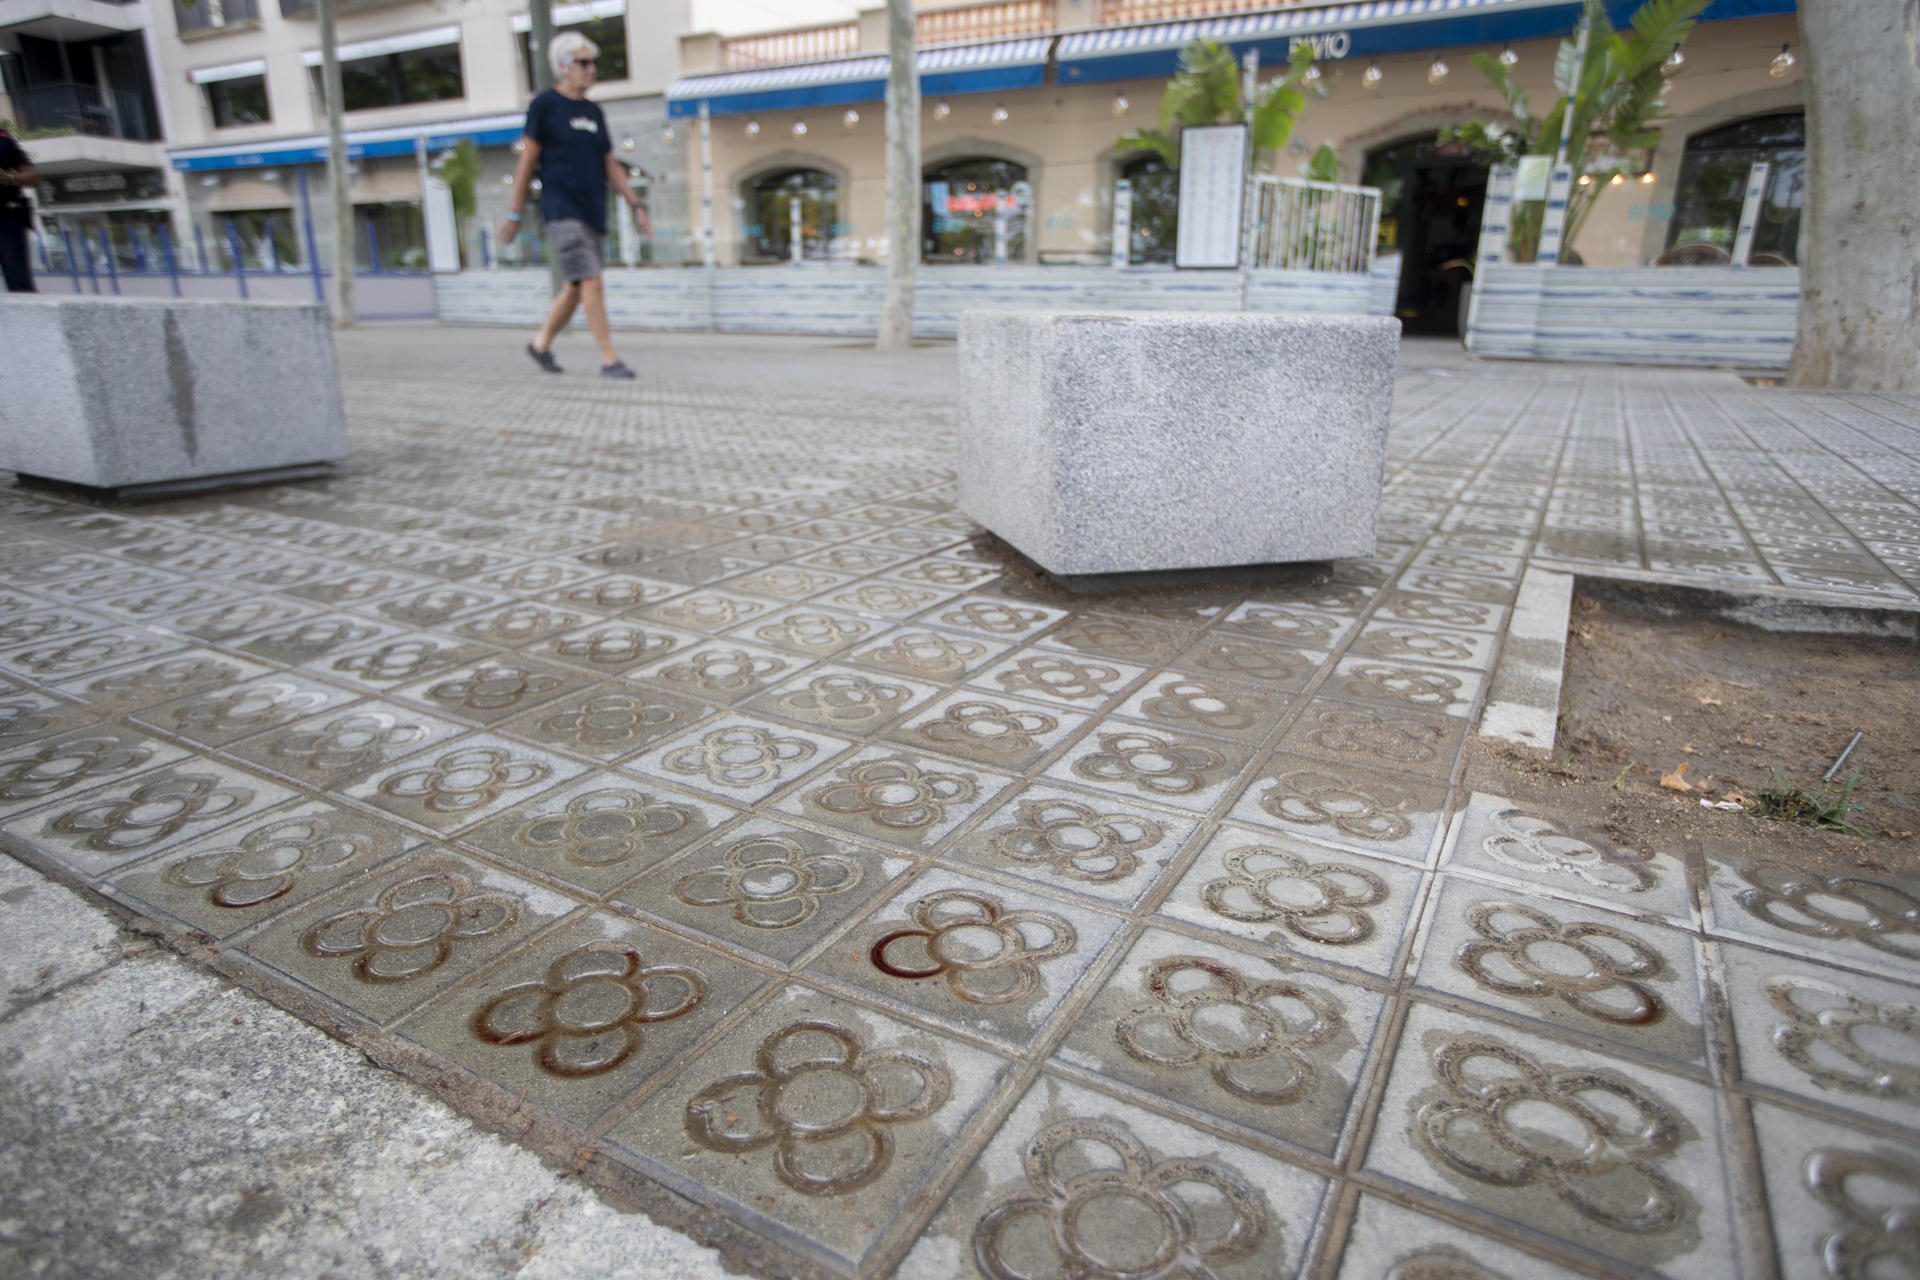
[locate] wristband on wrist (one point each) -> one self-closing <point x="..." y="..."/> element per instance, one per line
<point x="512" y="216"/>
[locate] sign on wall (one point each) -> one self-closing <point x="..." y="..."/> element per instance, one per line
<point x="1213" y="189"/>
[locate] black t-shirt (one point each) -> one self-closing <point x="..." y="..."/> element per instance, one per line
<point x="14" y="206"/>
<point x="573" y="146"/>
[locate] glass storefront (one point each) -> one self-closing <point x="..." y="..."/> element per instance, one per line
<point x="1156" y="209"/>
<point x="393" y="237"/>
<point x="970" y="212"/>
<point x="768" y="233"/>
<point x="1713" y="188"/>
<point x="267" y="239"/>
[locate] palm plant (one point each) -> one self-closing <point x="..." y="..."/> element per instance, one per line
<point x="1615" y="95"/>
<point x="1207" y="90"/>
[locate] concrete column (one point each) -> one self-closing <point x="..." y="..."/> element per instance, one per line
<point x="903" y="179"/>
<point x="343" y="251"/>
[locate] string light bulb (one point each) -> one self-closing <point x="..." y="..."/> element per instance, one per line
<point x="1437" y="72"/>
<point x="942" y="109"/>
<point x="850" y="119"/>
<point x="799" y="128"/>
<point x="1676" y="63"/>
<point x="1586" y="179"/>
<point x="1120" y="104"/>
<point x="1782" y="63"/>
<point x="1508" y="57"/>
<point x="1313" y="74"/>
<point x="1615" y="180"/>
<point x="999" y="113"/>
<point x="1646" y="179"/>
<point x="626" y="143"/>
<point x="1372" y="76"/>
<point x="752" y="129"/>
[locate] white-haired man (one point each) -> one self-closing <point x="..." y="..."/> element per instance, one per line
<point x="567" y="145"/>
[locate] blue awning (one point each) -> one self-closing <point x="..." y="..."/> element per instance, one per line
<point x="948" y="69"/>
<point x="1371" y="28"/>
<point x="486" y="131"/>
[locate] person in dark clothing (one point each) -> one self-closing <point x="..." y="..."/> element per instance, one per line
<point x="567" y="143"/>
<point x="16" y="214"/>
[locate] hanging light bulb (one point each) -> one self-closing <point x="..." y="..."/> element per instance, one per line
<point x="667" y="136"/>
<point x="537" y="185"/>
<point x="519" y="145"/>
<point x="1646" y="179"/>
<point x="626" y="143"/>
<point x="1615" y="180"/>
<point x="1372" y="76"/>
<point x="1437" y="72"/>
<point x="999" y="113"/>
<point x="1120" y="104"/>
<point x="1782" y="63"/>
<point x="942" y="110"/>
<point x="1313" y="74"/>
<point x="752" y="129"/>
<point x="799" y="128"/>
<point x="1676" y="63"/>
<point x="1586" y="179"/>
<point x="850" y="119"/>
<point x="1508" y="57"/>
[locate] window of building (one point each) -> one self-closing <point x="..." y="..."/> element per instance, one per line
<point x="1156" y="208"/>
<point x="268" y="239"/>
<point x="1713" y="187"/>
<point x="393" y="237"/>
<point x="968" y="208"/>
<point x="770" y="200"/>
<point x="608" y="33"/>
<point x="238" y="101"/>
<point x="395" y="79"/>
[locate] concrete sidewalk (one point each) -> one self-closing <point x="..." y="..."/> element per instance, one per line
<point x="665" y="776"/>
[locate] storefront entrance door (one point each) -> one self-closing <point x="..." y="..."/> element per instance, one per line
<point x="1430" y="214"/>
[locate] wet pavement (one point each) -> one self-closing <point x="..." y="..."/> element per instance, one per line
<point x="668" y="775"/>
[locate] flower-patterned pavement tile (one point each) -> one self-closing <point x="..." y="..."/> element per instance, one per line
<point x="455" y="784"/>
<point x="1523" y="845"/>
<point x="899" y="798"/>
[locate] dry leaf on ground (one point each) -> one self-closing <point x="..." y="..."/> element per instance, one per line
<point x="1677" y="780"/>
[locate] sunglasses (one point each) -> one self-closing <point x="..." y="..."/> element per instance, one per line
<point x="586" y="62"/>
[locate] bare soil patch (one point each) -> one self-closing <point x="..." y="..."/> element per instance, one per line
<point x="1652" y="684"/>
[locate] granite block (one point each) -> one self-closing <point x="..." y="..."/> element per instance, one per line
<point x="116" y="392"/>
<point x="1097" y="442"/>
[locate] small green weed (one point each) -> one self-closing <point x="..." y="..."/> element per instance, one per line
<point x="1826" y="808"/>
<point x="1619" y="782"/>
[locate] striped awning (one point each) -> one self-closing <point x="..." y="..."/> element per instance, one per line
<point x="947" y="69"/>
<point x="1368" y="28"/>
<point x="486" y="131"/>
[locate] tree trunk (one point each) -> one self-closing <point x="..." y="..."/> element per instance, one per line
<point x="903" y="179"/>
<point x="337" y="180"/>
<point x="1860" y="236"/>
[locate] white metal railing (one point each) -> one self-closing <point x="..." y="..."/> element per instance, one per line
<point x="1314" y="226"/>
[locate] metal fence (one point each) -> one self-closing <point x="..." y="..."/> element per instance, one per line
<point x="1300" y="225"/>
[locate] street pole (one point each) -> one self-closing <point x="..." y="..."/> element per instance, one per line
<point x="903" y="179"/>
<point x="343" y="313"/>
<point x="539" y="40"/>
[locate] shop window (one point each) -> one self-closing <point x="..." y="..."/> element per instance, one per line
<point x="393" y="237"/>
<point x="769" y="229"/>
<point x="395" y="79"/>
<point x="240" y="101"/>
<point x="1156" y="209"/>
<point x="1713" y="187"/>
<point x="968" y="207"/>
<point x="269" y="240"/>
<point x="608" y="33"/>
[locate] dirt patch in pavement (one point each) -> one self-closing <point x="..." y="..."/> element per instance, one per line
<point x="1651" y="685"/>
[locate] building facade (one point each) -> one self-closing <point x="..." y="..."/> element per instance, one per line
<point x="1024" y="102"/>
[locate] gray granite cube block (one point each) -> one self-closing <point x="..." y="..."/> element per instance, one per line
<point x="121" y="392"/>
<point x="1115" y="442"/>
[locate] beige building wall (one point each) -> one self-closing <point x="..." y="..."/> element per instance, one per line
<point x="1066" y="136"/>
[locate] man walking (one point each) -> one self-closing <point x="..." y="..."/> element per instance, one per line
<point x="16" y="214"/>
<point x="567" y="145"/>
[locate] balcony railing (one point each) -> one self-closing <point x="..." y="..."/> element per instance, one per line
<point x="776" y="47"/>
<point x="209" y="15"/>
<point x="999" y="21"/>
<point x="1121" y="12"/>
<point x="85" y="109"/>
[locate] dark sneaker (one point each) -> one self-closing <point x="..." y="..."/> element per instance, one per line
<point x="545" y="360"/>
<point x="618" y="369"/>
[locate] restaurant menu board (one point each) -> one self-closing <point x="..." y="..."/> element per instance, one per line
<point x="1213" y="186"/>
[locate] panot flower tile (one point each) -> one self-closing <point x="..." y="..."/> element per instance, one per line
<point x="900" y="798"/>
<point x="1077" y="1183"/>
<point x="1248" y="1039"/>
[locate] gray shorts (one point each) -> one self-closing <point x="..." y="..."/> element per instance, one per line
<point x="579" y="249"/>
